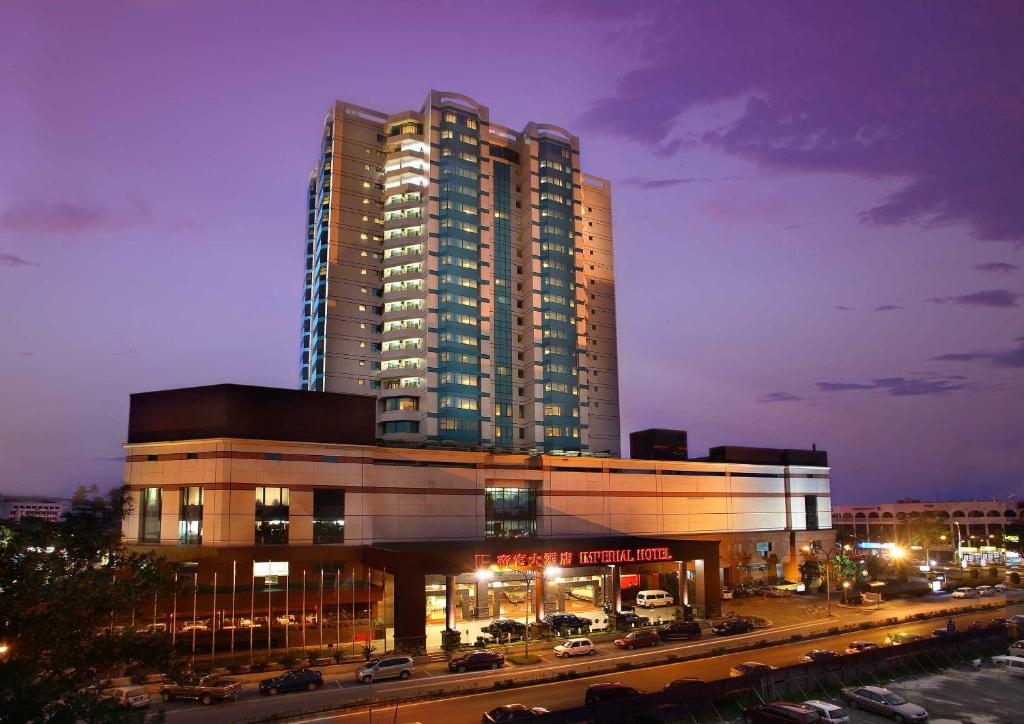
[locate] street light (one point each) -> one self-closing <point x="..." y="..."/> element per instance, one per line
<point x="813" y="549"/>
<point x="486" y="574"/>
<point x="846" y="587"/>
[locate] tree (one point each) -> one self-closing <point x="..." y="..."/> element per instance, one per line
<point x="810" y="571"/>
<point x="927" y="531"/>
<point x="69" y="592"/>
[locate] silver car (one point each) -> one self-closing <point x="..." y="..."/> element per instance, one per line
<point x="883" y="701"/>
<point x="829" y="712"/>
<point x="394" y="667"/>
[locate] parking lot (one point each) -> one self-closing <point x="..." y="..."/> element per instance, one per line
<point x="991" y="696"/>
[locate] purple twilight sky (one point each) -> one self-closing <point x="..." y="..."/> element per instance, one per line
<point x="819" y="210"/>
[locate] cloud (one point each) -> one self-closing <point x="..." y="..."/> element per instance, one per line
<point x="662" y="183"/>
<point x="791" y="227"/>
<point x="58" y="217"/>
<point x="841" y="308"/>
<point x="888" y="308"/>
<point x="1013" y="357"/>
<point x="996" y="298"/>
<point x="22" y="354"/>
<point x="901" y="386"/>
<point x="14" y="260"/>
<point x="779" y="397"/>
<point x="996" y="267"/>
<point x="870" y="89"/>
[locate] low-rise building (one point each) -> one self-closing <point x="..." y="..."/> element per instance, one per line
<point x="16" y="507"/>
<point x="280" y="490"/>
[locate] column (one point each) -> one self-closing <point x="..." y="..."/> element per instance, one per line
<point x="496" y="607"/>
<point x="449" y="602"/>
<point x="410" y="610"/>
<point x="708" y="587"/>
<point x="483" y="609"/>
<point x="539" y="583"/>
<point x="684" y="590"/>
<point x="616" y="592"/>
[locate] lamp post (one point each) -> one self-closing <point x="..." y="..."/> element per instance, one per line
<point x="813" y="549"/>
<point x="846" y="587"/>
<point x="486" y="574"/>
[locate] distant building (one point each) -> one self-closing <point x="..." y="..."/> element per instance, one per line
<point x="16" y="507"/>
<point x="969" y="523"/>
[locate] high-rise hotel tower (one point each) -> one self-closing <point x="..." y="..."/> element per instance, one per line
<point x="462" y="273"/>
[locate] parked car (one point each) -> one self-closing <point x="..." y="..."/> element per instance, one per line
<point x="195" y="626"/>
<point x="751" y="668"/>
<point x="607" y="608"/>
<point x="476" y="660"/>
<point x="884" y="702"/>
<point x="393" y="667"/>
<point x="966" y="592"/>
<point x="651" y="599"/>
<point x="612" y="691"/>
<point x="829" y="713"/>
<point x="205" y="689"/>
<point x="687" y="630"/>
<point x="985" y="591"/>
<point x="901" y="637"/>
<point x="780" y="711"/>
<point x="294" y="680"/>
<point x="857" y="647"/>
<point x="1016" y="648"/>
<point x="131" y="697"/>
<point x="1016" y="619"/>
<point x="1001" y="587"/>
<point x="684" y="685"/>
<point x="512" y="712"/>
<point x="727" y="594"/>
<point x="732" y="626"/>
<point x="1013" y="664"/>
<point x="562" y="621"/>
<point x="627" y="619"/>
<point x="501" y="628"/>
<point x="637" y="640"/>
<point x="575" y="647"/>
<point x="819" y="655"/>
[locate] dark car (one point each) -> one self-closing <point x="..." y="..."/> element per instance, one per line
<point x="502" y="628"/>
<point x="732" y="626"/>
<point x="562" y="621"/>
<point x="628" y="619"/>
<point x="751" y="668"/>
<point x="476" y="660"/>
<point x="622" y="607"/>
<point x="637" y="640"/>
<point x="884" y="702"/>
<point x="512" y="712"/>
<point x="781" y="711"/>
<point x="857" y="647"/>
<point x="687" y="630"/>
<point x="819" y="655"/>
<point x="601" y="693"/>
<point x="294" y="680"/>
<point x="684" y="686"/>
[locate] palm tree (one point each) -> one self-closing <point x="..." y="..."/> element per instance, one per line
<point x="926" y="532"/>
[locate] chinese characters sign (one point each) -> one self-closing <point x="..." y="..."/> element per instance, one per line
<point x="568" y="559"/>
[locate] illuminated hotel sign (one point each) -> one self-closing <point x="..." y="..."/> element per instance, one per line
<point x="568" y="559"/>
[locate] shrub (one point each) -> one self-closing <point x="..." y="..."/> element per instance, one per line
<point x="289" y="660"/>
<point x="259" y="667"/>
<point x="337" y="656"/>
<point x="234" y="668"/>
<point x="368" y="650"/>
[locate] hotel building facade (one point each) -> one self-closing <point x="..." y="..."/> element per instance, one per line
<point x="462" y="273"/>
<point x="272" y="487"/>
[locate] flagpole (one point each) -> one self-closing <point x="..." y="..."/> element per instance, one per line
<point x="174" y="610"/>
<point x="353" y="608"/>
<point x="252" y="610"/>
<point x="270" y="613"/>
<point x="303" y="611"/>
<point x="320" y="613"/>
<point x="213" y="622"/>
<point x="234" y="622"/>
<point x="195" y="594"/>
<point x="287" y="611"/>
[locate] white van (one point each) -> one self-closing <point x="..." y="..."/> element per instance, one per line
<point x="650" y="599"/>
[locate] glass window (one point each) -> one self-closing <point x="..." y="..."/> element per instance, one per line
<point x="328" y="516"/>
<point x="811" y="511"/>
<point x="510" y="512"/>
<point x="271" y="515"/>
<point x="190" y="516"/>
<point x="149" y="516"/>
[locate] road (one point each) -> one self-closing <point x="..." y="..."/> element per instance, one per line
<point x="553" y="695"/>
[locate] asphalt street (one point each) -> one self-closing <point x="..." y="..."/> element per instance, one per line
<point x="554" y="695"/>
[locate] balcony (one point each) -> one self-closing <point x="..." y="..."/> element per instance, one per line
<point x="404" y="254"/>
<point x="409" y="200"/>
<point x="404" y="333"/>
<point x="391" y="366"/>
<point x="405" y="176"/>
<point x="401" y="383"/>
<point x="406" y="156"/>
<point x="397" y="222"/>
<point x="402" y="350"/>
